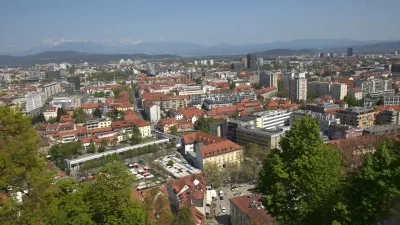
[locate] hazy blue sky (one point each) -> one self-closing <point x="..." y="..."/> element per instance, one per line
<point x="27" y="23"/>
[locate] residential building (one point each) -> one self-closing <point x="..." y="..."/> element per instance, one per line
<point x="388" y="117"/>
<point x="51" y="89"/>
<point x="326" y="120"/>
<point x="128" y="126"/>
<point x="323" y="107"/>
<point x="381" y="129"/>
<point x="391" y="99"/>
<point x="211" y="149"/>
<point x="341" y="131"/>
<point x="357" y="117"/>
<point x="272" y="119"/>
<point x="290" y="75"/>
<point x="356" y="92"/>
<point x="72" y="101"/>
<point x="268" y="139"/>
<point x="374" y="87"/>
<point x="89" y="108"/>
<point x="267" y="93"/>
<point x="247" y="209"/>
<point x="338" y="91"/>
<point x="92" y="123"/>
<point x="50" y="112"/>
<point x="268" y="79"/>
<point x="209" y="103"/>
<point x="31" y="103"/>
<point x="152" y="111"/>
<point x="221" y="153"/>
<point x="298" y="88"/>
<point x="318" y="89"/>
<point x="190" y="191"/>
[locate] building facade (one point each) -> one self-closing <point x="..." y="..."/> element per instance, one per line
<point x="357" y="117"/>
<point x="338" y="91"/>
<point x="298" y="88"/>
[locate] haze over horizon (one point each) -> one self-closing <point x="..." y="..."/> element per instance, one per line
<point x="28" y="24"/>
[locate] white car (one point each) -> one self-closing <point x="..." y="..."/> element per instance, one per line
<point x="223" y="209"/>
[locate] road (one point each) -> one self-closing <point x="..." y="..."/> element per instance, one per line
<point x="223" y="218"/>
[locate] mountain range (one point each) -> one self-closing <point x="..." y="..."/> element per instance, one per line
<point x="190" y="49"/>
<point x="72" y="57"/>
<point x="86" y="51"/>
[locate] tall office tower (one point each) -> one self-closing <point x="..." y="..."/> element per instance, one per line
<point x="251" y="62"/>
<point x="395" y="70"/>
<point x="350" y="52"/>
<point x="298" y="88"/>
<point x="268" y="79"/>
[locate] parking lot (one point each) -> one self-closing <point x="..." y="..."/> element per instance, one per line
<point x="223" y="218"/>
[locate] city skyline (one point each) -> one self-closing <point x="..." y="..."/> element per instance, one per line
<point x="30" y="24"/>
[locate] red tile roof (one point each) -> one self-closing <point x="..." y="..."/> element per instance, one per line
<point x="90" y="106"/>
<point x="218" y="148"/>
<point x="201" y="137"/>
<point x="254" y="211"/>
<point x="51" y="109"/>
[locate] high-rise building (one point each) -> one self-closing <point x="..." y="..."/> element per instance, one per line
<point x="374" y="87"/>
<point x="75" y="81"/>
<point x="260" y="62"/>
<point x="298" y="88"/>
<point x="268" y="79"/>
<point x="350" y="52"/>
<point x="395" y="69"/>
<point x="252" y="62"/>
<point x="289" y="76"/>
<point x="211" y="62"/>
<point x="195" y="62"/>
<point x="318" y="89"/>
<point x="338" y="91"/>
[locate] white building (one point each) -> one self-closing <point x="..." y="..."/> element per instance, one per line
<point x="211" y="62"/>
<point x="50" y="112"/>
<point x="288" y="76"/>
<point x="338" y="91"/>
<point x="152" y="111"/>
<point x="51" y="88"/>
<point x="31" y="103"/>
<point x="272" y="119"/>
<point x="298" y="88"/>
<point x="195" y="62"/>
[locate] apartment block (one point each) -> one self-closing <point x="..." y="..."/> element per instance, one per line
<point x="388" y="117"/>
<point x="338" y="91"/>
<point x="298" y="88"/>
<point x="374" y="87"/>
<point x="247" y="209"/>
<point x="268" y="79"/>
<point x="357" y="117"/>
<point x="391" y="99"/>
<point x="318" y="89"/>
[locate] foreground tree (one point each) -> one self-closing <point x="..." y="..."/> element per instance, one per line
<point x="136" y="136"/>
<point x="157" y="207"/>
<point x="184" y="217"/>
<point x="22" y="167"/>
<point x="91" y="147"/>
<point x="109" y="199"/>
<point x="372" y="190"/>
<point x="299" y="181"/>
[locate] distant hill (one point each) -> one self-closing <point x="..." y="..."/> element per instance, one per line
<point x="71" y="57"/>
<point x="191" y="49"/>
<point x="285" y="52"/>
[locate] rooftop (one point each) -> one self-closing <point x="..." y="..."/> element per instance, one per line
<point x="253" y="208"/>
